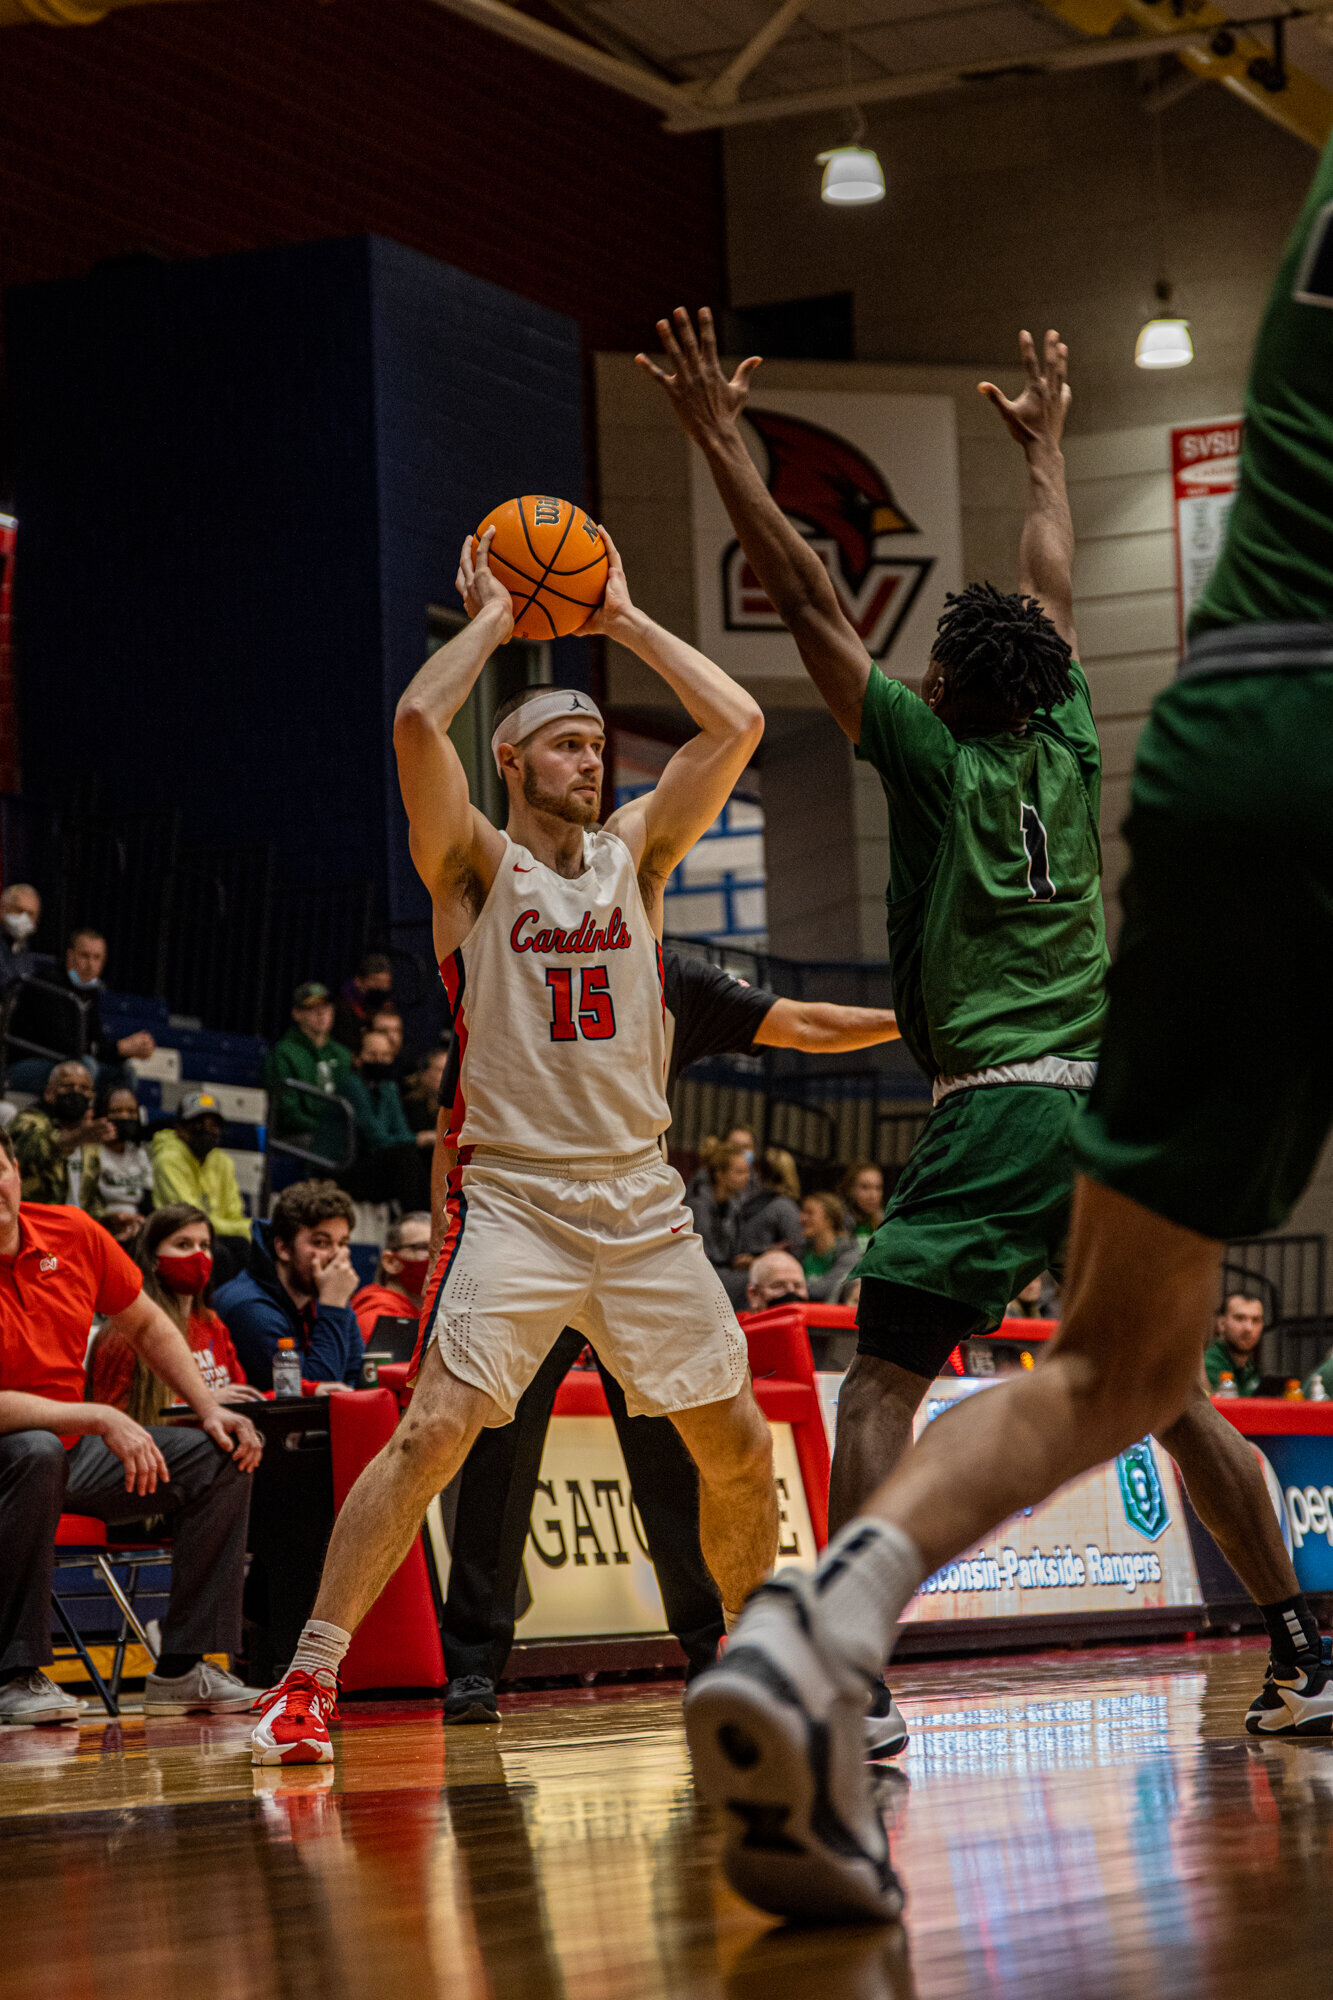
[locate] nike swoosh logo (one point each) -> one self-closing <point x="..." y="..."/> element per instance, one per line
<point x="677" y="1227"/>
<point x="521" y="871"/>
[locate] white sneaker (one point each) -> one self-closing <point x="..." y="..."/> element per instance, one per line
<point x="777" y="1736"/>
<point x="206" y="1687"/>
<point x="33" y="1698"/>
<point x="886" y="1732"/>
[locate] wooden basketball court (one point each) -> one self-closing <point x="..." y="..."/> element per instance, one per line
<point x="1068" y="1825"/>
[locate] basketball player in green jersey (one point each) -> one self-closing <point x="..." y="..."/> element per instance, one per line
<point x="993" y="780"/>
<point x="1190" y="1138"/>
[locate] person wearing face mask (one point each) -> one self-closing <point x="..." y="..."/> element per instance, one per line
<point x="190" y="1165"/>
<point x="42" y="1017"/>
<point x="393" y="1162"/>
<point x="175" y="1254"/>
<point x="120" y="1169"/>
<point x="401" y="1277"/>
<point x="775" y="1279"/>
<point x="54" y="1139"/>
<point x="20" y="914"/>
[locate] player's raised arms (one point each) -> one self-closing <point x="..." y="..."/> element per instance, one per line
<point x="1037" y="421"/>
<point x="454" y="847"/>
<point x="709" y="407"/>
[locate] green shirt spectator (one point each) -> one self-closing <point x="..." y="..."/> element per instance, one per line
<point x="1239" y="1329"/>
<point x="308" y="1054"/>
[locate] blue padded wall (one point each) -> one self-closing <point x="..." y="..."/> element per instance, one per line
<point x="240" y="482"/>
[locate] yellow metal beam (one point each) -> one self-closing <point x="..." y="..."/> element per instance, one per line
<point x="1305" y="107"/>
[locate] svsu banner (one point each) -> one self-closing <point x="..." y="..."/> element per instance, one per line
<point x="871" y="482"/>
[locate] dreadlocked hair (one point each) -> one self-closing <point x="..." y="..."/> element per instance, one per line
<point x="995" y="646"/>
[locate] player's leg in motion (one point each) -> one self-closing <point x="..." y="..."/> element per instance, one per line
<point x="1187" y="1142"/>
<point x="375" y="1528"/>
<point x="732" y="1449"/>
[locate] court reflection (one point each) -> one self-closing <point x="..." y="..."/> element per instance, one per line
<point x="1074" y="1827"/>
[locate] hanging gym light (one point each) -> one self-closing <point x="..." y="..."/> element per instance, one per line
<point x="851" y="174"/>
<point x="1164" y="340"/>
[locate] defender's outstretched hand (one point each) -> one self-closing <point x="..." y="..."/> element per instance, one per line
<point x="1038" y="416"/>
<point x="705" y="401"/>
<point x="617" y="605"/>
<point x="479" y="589"/>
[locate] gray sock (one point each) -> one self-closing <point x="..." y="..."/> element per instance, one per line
<point x="320" y="1649"/>
<point x="862" y="1584"/>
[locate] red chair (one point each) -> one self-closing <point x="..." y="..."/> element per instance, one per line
<point x="81" y="1543"/>
<point x="786" y="1392"/>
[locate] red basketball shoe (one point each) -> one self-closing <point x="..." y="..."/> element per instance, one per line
<point x="294" y="1724"/>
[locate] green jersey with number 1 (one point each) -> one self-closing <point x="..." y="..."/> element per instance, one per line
<point x="994" y="900"/>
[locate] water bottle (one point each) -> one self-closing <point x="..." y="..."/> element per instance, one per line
<point x="1226" y="1385"/>
<point x="1316" y="1393"/>
<point x="1293" y="1393"/>
<point x="286" y="1368"/>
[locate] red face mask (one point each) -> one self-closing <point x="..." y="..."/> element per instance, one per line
<point x="185" y="1273"/>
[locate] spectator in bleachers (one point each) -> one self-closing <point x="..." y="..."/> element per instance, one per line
<point x="862" y="1191"/>
<point x="359" y="996"/>
<point x="20" y="913"/>
<point x="775" y="1279"/>
<point x="190" y="1165"/>
<point x="60" y="1453"/>
<point x="393" y="1162"/>
<point x="121" y="1167"/>
<point x="401" y="1277"/>
<point x="831" y="1252"/>
<point x="1238" y="1329"/>
<point x="175" y="1253"/>
<point x="421" y="1098"/>
<point x="52" y="1139"/>
<point x="737" y="1220"/>
<point x="388" y="1021"/>
<point x="299" y="1281"/>
<point x="43" y="1018"/>
<point x="738" y="1135"/>
<point x="308" y="1054"/>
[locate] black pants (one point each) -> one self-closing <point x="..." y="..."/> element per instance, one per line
<point x="207" y="1508"/>
<point x="497" y="1487"/>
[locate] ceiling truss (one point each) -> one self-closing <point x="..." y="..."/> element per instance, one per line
<point x="1186" y="28"/>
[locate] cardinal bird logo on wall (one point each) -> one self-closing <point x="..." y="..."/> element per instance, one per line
<point x="844" y="506"/>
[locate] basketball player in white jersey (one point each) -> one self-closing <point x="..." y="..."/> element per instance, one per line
<point x="562" y="1210"/>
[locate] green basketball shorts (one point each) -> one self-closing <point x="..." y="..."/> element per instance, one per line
<point x="981" y="1209"/>
<point x="1215" y="1089"/>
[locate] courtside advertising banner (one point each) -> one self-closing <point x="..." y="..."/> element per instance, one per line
<point x="871" y="481"/>
<point x="1114" y="1540"/>
<point x="1205" y="470"/>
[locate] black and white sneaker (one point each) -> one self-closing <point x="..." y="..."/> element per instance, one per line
<point x="471" y="1698"/>
<point x="777" y="1737"/>
<point x="886" y="1732"/>
<point x="1295" y="1701"/>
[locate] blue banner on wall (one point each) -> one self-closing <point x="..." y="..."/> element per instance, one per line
<point x="1302" y="1487"/>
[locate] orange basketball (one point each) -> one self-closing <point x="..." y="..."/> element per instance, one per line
<point x="551" y="559"/>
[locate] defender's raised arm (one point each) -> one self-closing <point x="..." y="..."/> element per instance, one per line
<point x="709" y="408"/>
<point x="454" y="848"/>
<point x="1037" y="421"/>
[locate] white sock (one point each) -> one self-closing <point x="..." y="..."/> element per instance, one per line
<point x="862" y="1584"/>
<point x="729" y="1620"/>
<point x="320" y="1650"/>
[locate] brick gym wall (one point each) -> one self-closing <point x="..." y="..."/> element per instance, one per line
<point x="188" y="130"/>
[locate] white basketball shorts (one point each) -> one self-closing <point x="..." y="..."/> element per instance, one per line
<point x="531" y="1250"/>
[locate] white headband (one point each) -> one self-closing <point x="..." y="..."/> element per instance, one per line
<point x="544" y="705"/>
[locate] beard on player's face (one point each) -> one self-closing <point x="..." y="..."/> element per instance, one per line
<point x="576" y="807"/>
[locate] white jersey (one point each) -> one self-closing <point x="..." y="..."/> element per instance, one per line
<point x="559" y="1013"/>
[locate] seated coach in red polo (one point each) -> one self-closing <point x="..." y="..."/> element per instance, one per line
<point x="59" y="1454"/>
